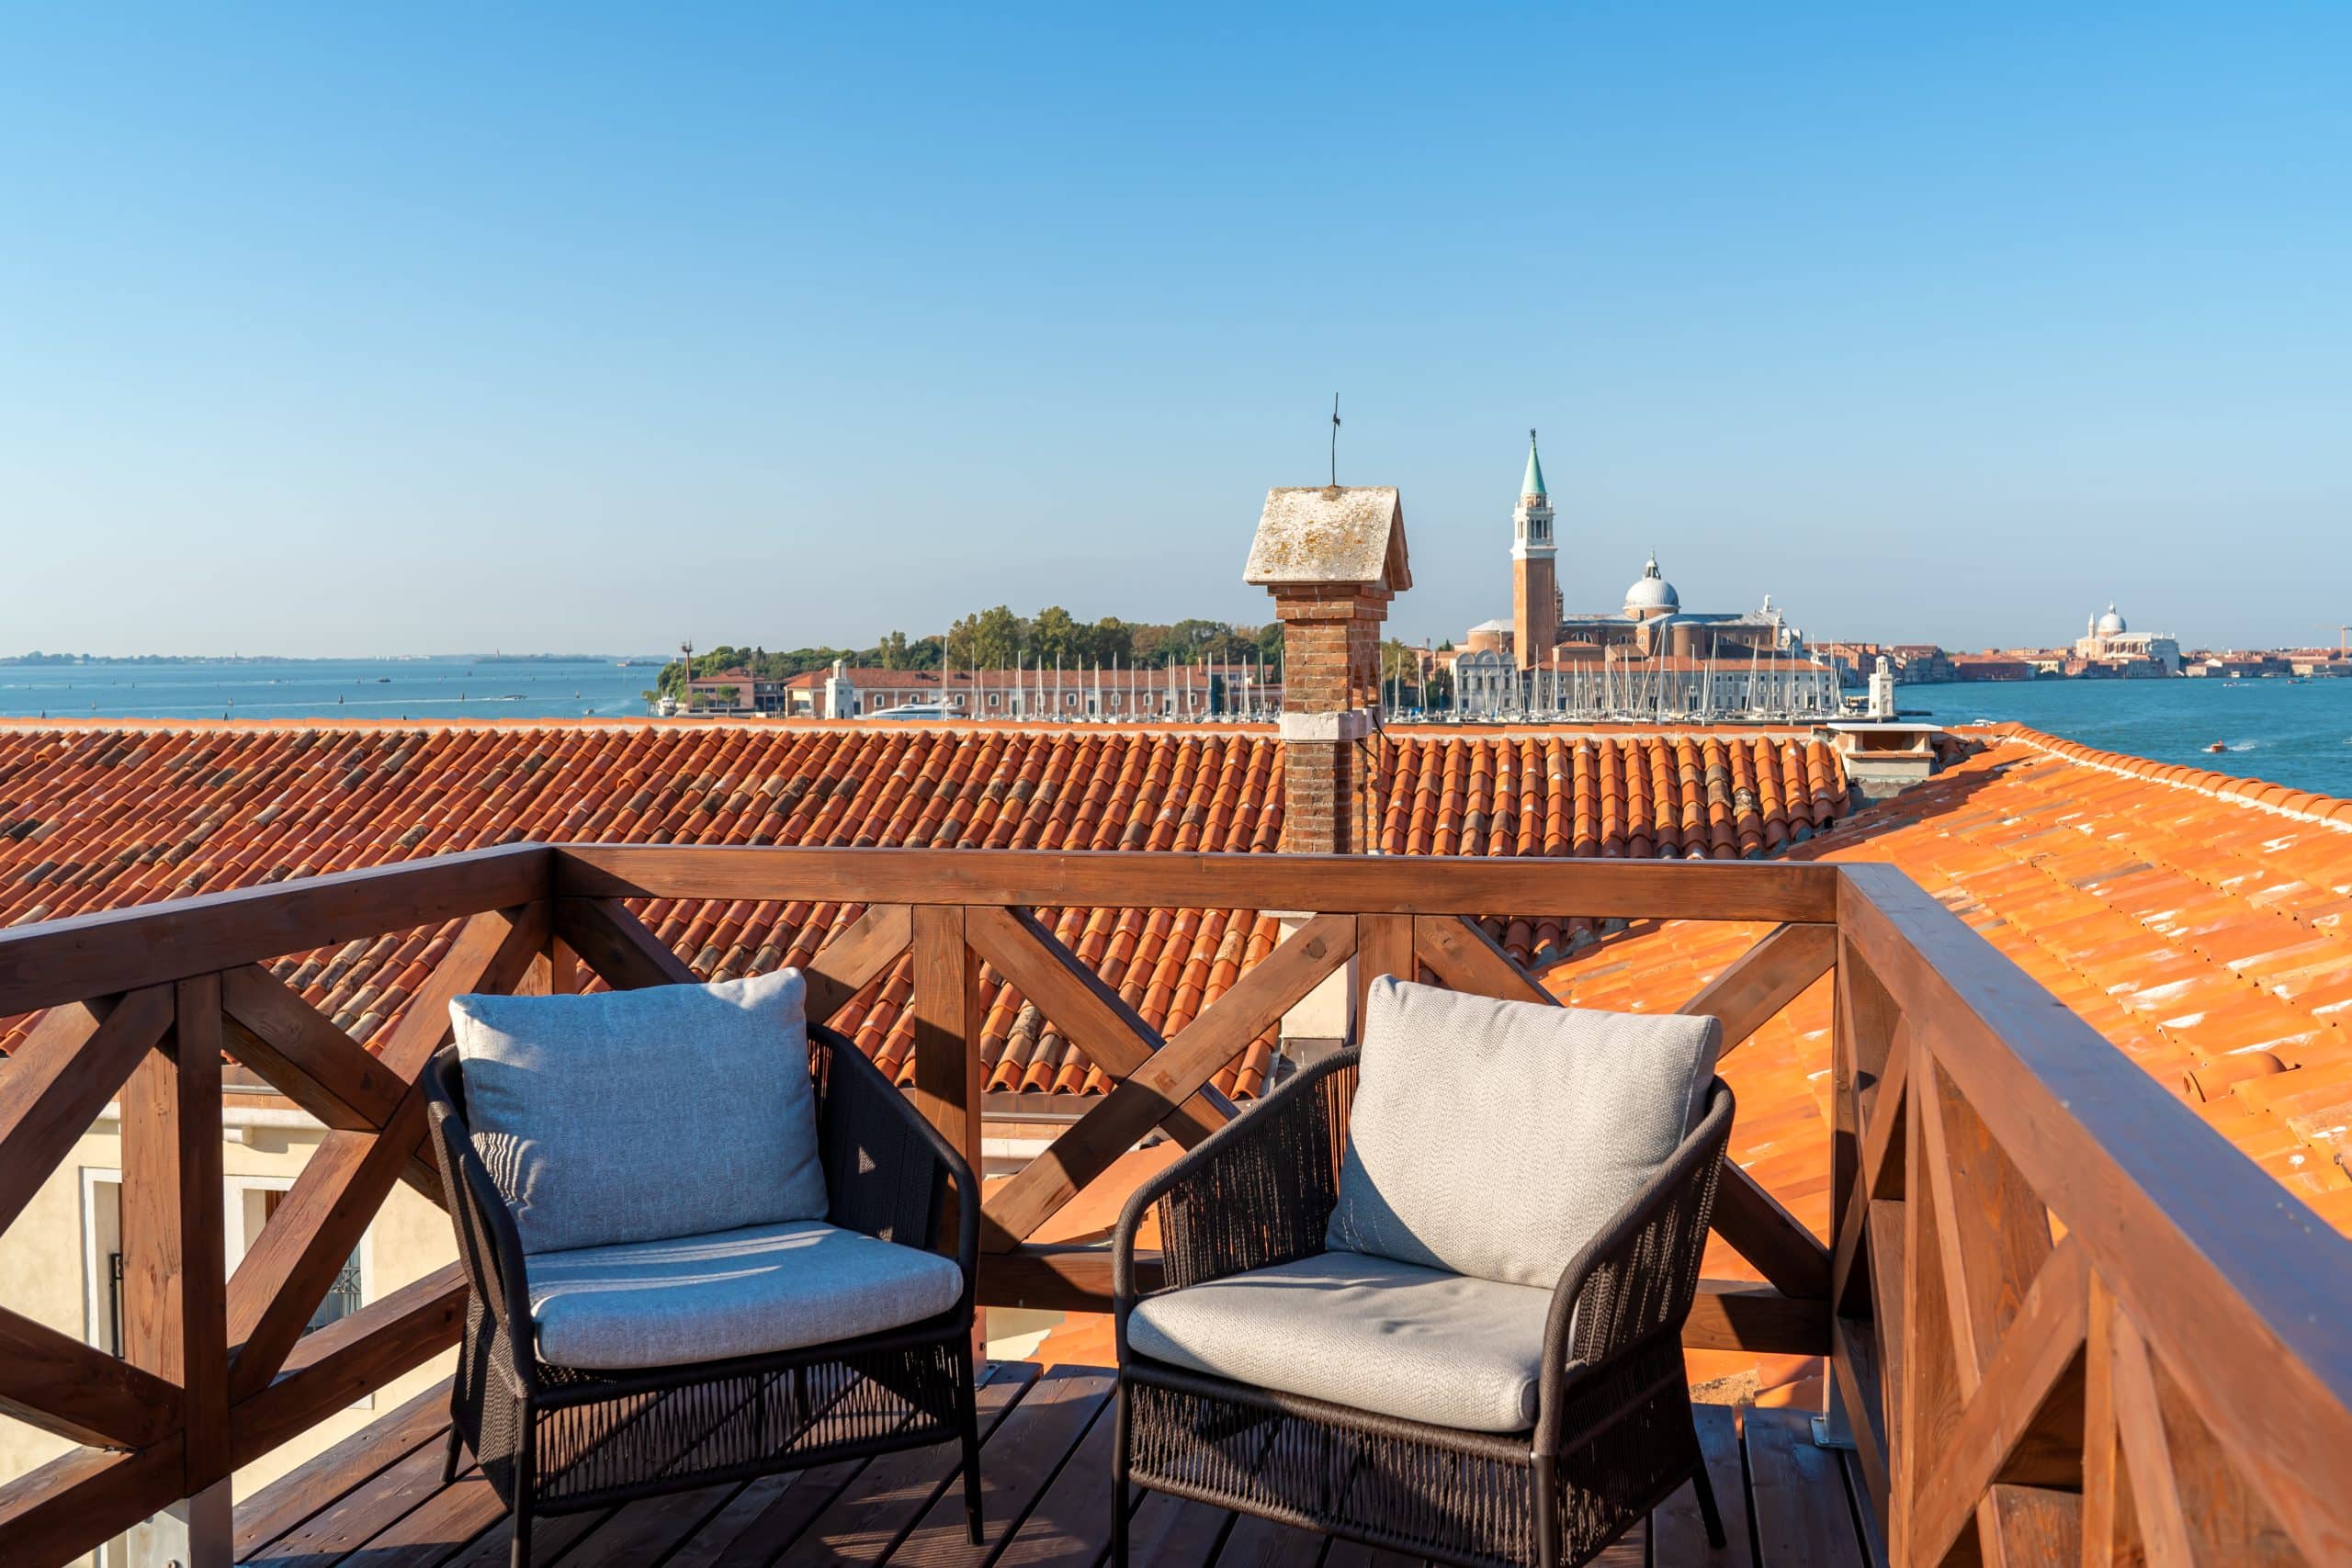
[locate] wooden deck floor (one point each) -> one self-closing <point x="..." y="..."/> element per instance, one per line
<point x="376" y="1501"/>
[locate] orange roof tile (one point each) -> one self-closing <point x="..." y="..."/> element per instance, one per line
<point x="96" y="817"/>
<point x="2198" y="920"/>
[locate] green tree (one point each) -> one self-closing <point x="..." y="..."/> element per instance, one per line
<point x="1054" y="635"/>
<point x="1114" y="640"/>
<point x="986" y="639"/>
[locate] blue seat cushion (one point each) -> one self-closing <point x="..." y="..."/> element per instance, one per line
<point x="740" y="1292"/>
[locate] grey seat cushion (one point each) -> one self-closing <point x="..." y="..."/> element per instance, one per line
<point x="1495" y="1139"/>
<point x="739" y="1292"/>
<point x="635" y="1115"/>
<point x="1368" y="1333"/>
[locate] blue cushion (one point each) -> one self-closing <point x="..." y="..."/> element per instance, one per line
<point x="741" y="1292"/>
<point x="637" y="1115"/>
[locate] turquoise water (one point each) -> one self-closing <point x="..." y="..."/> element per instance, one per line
<point x="2289" y="733"/>
<point x="328" y="688"/>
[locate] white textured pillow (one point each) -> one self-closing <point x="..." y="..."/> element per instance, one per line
<point x="642" y="1115"/>
<point x="1495" y="1139"/>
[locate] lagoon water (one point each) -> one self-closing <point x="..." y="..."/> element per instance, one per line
<point x="2299" y="734"/>
<point x="330" y="688"/>
<point x="2293" y="734"/>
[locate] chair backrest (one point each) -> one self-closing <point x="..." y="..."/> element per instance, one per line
<point x="881" y="1175"/>
<point x="642" y="1115"/>
<point x="1495" y="1139"/>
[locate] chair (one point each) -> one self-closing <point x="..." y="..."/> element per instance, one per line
<point x="688" y="1265"/>
<point x="1429" y="1295"/>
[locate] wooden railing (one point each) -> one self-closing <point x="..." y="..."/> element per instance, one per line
<point x="2065" y="1320"/>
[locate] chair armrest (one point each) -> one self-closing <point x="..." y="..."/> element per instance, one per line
<point x="1631" y="1288"/>
<point x="1256" y="1192"/>
<point x="490" y="1247"/>
<point x="887" y="1170"/>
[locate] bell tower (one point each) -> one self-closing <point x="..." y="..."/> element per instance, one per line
<point x="1535" y="583"/>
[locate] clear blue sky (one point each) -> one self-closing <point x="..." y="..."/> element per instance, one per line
<point x="364" y="329"/>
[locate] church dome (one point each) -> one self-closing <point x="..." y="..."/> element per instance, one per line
<point x="2111" y="623"/>
<point x="1653" y="595"/>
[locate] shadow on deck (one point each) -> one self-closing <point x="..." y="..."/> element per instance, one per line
<point x="376" y="1501"/>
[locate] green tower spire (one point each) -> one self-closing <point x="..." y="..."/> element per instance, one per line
<point x="1533" y="484"/>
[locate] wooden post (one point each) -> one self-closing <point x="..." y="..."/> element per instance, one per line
<point x="947" y="1011"/>
<point x="1384" y="946"/>
<point x="175" y="1268"/>
<point x="1862" y="1019"/>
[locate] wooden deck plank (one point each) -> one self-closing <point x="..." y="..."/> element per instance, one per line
<point x="863" y="1523"/>
<point x="1254" y="1543"/>
<point x="376" y="1501"/>
<point x="640" y="1534"/>
<point x="768" y="1513"/>
<point x="1356" y="1554"/>
<point x="1865" y="1511"/>
<point x="349" y="1464"/>
<point x="764" y="1516"/>
<point x="551" y="1539"/>
<point x="1070" y="1526"/>
<point x="438" y="1528"/>
<point x="1802" y="1516"/>
<point x="1020" y="1460"/>
<point x="1681" y="1536"/>
<point x="362" y="1513"/>
<point x="1169" y="1532"/>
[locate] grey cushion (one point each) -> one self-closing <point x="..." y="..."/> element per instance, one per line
<point x="1368" y="1333"/>
<point x="1495" y="1138"/>
<point x="635" y="1115"/>
<point x="740" y="1292"/>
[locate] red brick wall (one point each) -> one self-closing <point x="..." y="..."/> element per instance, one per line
<point x="1331" y="665"/>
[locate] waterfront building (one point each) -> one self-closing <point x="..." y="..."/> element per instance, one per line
<point x="1034" y="692"/>
<point x="1991" y="666"/>
<point x="734" y="692"/>
<point x="1921" y="663"/>
<point x="2107" y="640"/>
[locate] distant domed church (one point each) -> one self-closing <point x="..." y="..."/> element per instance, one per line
<point x="2108" y="642"/>
<point x="1541" y="649"/>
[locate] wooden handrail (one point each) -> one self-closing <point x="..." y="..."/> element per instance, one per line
<point x="2184" y="1342"/>
<point x="1447" y="884"/>
<point x="2020" y="1115"/>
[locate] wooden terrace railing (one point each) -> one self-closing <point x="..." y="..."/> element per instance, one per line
<point x="2066" y="1321"/>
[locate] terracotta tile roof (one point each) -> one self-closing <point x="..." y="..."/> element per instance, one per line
<point x="96" y="817"/>
<point x="2201" y="922"/>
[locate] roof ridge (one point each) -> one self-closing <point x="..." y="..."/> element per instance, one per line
<point x="2260" y="795"/>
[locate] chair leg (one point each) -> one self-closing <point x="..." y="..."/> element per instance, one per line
<point x="1709" y="1514"/>
<point x="1547" y="1513"/>
<point x="971" y="1418"/>
<point x="527" y="1481"/>
<point x="1119" y="1476"/>
<point x="449" y="1460"/>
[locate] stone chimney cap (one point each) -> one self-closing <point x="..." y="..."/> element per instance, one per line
<point x="1332" y="534"/>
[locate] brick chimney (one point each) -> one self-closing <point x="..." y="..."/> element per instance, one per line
<point x="1332" y="557"/>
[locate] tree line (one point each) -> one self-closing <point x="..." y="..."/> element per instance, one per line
<point x="999" y="638"/>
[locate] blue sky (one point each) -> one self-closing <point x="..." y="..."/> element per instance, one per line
<point x="371" y="328"/>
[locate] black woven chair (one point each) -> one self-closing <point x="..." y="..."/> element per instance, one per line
<point x="1612" y="1436"/>
<point x="555" y="1440"/>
